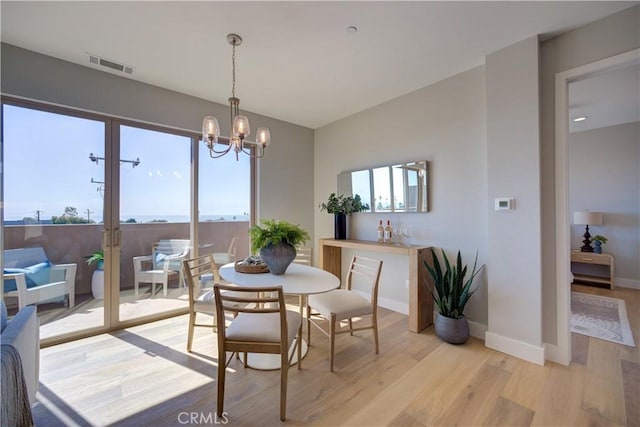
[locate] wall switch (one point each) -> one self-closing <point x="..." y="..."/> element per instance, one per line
<point x="406" y="284"/>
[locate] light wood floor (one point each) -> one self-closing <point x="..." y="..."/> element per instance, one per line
<point x="143" y="376"/>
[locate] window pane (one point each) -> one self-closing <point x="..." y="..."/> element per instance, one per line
<point x="52" y="207"/>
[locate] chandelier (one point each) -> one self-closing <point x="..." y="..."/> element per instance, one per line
<point x="240" y="130"/>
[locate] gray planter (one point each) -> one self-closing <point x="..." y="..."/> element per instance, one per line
<point x="453" y="331"/>
<point x="278" y="257"/>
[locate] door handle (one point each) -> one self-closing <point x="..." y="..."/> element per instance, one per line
<point x="106" y="242"/>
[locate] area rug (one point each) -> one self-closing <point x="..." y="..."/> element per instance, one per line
<point x="600" y="317"/>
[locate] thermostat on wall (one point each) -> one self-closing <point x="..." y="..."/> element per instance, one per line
<point x="504" y="204"/>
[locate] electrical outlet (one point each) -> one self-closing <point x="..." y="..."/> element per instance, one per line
<point x="406" y="284"/>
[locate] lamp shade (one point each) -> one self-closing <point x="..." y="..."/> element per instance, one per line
<point x="587" y="218"/>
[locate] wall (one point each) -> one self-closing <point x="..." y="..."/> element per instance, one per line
<point x="443" y="123"/>
<point x="607" y="37"/>
<point x="513" y="158"/>
<point x="39" y="77"/>
<point x="604" y="176"/>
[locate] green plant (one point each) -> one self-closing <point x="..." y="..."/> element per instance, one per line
<point x="452" y="288"/>
<point x="96" y="258"/>
<point x="344" y="204"/>
<point x="274" y="232"/>
<point x="600" y="238"/>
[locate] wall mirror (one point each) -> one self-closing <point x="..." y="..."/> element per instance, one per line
<point x="401" y="187"/>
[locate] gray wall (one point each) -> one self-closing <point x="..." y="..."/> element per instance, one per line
<point x="288" y="192"/>
<point x="513" y="155"/>
<point x="443" y="123"/>
<point x="607" y="37"/>
<point x="604" y="176"/>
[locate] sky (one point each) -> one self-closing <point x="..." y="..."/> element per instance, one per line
<point x="47" y="167"/>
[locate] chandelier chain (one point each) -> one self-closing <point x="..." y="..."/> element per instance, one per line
<point x="233" y="62"/>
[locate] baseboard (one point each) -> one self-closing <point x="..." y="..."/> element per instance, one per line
<point x="477" y="330"/>
<point x="519" y="349"/>
<point x="552" y="354"/>
<point x="626" y="283"/>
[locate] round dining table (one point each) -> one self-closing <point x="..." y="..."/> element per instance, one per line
<point x="299" y="279"/>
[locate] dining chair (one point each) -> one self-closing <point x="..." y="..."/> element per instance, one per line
<point x="346" y="304"/>
<point x="304" y="255"/>
<point x="222" y="258"/>
<point x="198" y="271"/>
<point x="262" y="325"/>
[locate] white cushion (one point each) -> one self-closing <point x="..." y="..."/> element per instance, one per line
<point x="205" y="303"/>
<point x="262" y="327"/>
<point x="345" y="304"/>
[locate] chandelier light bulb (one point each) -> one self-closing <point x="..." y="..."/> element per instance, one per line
<point x="263" y="136"/>
<point x="241" y="127"/>
<point x="210" y="130"/>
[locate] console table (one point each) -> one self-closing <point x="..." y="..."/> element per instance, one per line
<point x="590" y="268"/>
<point x="420" y="299"/>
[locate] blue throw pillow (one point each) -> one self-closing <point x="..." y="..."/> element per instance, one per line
<point x="158" y="261"/>
<point x="35" y="275"/>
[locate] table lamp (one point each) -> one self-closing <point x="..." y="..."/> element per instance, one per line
<point x="586" y="218"/>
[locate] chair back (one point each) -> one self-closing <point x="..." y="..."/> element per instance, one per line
<point x="233" y="248"/>
<point x="252" y="301"/>
<point x="304" y="256"/>
<point x="167" y="247"/>
<point x="196" y="272"/>
<point x="365" y="273"/>
<point x="24" y="257"/>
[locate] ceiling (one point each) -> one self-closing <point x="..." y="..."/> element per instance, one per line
<point x="607" y="99"/>
<point x="298" y="62"/>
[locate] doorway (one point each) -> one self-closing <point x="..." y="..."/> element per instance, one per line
<point x="563" y="208"/>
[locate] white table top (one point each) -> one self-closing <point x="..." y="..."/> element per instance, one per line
<point x="299" y="279"/>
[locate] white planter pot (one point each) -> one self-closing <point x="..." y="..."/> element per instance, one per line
<point x="97" y="284"/>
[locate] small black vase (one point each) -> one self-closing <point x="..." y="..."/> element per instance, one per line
<point x="340" y="226"/>
<point x="278" y="257"/>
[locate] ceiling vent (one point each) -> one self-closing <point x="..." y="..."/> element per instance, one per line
<point x="97" y="60"/>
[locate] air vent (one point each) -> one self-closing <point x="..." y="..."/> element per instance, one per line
<point x="97" y="60"/>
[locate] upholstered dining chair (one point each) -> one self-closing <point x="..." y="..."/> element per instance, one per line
<point x="304" y="255"/>
<point x="262" y="325"/>
<point x="345" y="304"/>
<point x="198" y="271"/>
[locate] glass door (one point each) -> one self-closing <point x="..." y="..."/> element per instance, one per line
<point x="53" y="217"/>
<point x="154" y="212"/>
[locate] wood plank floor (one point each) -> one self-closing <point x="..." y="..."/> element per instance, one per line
<point x="143" y="376"/>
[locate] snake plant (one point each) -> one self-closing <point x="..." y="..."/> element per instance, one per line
<point x="452" y="287"/>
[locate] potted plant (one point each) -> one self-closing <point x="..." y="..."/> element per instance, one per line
<point x="276" y="243"/>
<point x="451" y="294"/>
<point x="598" y="241"/>
<point x="97" y="279"/>
<point x="341" y="206"/>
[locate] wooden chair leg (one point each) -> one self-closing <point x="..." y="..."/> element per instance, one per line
<point x="332" y="339"/>
<point x="350" y="327"/>
<point x="299" y="349"/>
<point x="284" y="371"/>
<point x="192" y="321"/>
<point x="222" y="361"/>
<point x="375" y="332"/>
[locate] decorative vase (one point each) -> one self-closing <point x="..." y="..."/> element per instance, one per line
<point x="453" y="331"/>
<point x="97" y="284"/>
<point x="278" y="257"/>
<point x="598" y="246"/>
<point x="340" y="226"/>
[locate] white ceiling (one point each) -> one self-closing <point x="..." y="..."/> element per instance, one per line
<point x="608" y="99"/>
<point x="297" y="62"/>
